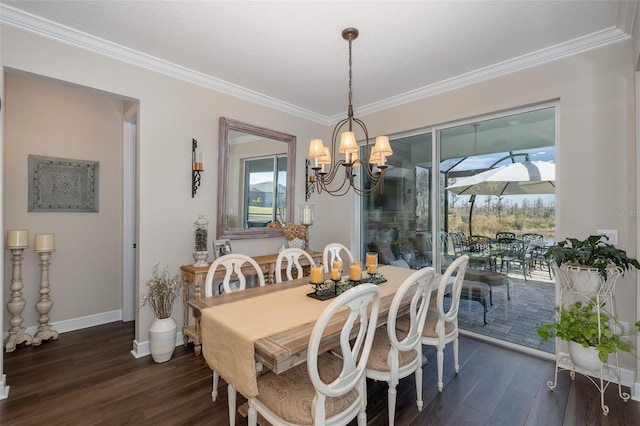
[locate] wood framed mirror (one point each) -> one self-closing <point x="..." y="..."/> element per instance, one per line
<point x="256" y="172"/>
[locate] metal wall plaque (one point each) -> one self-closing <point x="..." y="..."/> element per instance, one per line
<point x="62" y="185"/>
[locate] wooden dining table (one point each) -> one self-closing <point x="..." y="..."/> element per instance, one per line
<point x="272" y="325"/>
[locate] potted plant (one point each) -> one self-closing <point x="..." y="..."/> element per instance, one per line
<point x="162" y="289"/>
<point x="295" y="234"/>
<point x="591" y="335"/>
<point x="584" y="257"/>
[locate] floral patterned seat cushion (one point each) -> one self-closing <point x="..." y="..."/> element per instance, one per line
<point x="290" y="395"/>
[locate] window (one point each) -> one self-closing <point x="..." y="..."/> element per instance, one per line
<point x="265" y="190"/>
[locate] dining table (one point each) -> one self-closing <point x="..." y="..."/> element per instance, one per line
<point x="272" y="325"/>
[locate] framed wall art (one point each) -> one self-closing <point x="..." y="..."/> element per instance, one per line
<point x="62" y="185"/>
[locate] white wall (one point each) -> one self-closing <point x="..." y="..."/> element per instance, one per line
<point x="595" y="145"/>
<point x="53" y="119"/>
<point x="172" y="112"/>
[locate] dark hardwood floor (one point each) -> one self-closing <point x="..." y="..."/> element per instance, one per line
<point x="89" y="377"/>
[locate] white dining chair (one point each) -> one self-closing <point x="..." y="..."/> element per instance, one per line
<point x="327" y="389"/>
<point x="292" y="256"/>
<point x="441" y="326"/>
<point x="232" y="264"/>
<point x="395" y="356"/>
<point x="333" y="252"/>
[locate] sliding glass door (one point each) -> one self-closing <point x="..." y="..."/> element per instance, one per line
<point x="426" y="214"/>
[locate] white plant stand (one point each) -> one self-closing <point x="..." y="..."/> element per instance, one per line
<point x="584" y="284"/>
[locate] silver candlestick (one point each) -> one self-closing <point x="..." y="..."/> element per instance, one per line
<point x="44" y="248"/>
<point x="16" y="304"/>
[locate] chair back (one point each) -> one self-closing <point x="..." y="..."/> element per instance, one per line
<point x="505" y="235"/>
<point x="333" y="252"/>
<point x="362" y="305"/>
<point x="232" y="264"/>
<point x="459" y="269"/>
<point x="292" y="256"/>
<point x="420" y="284"/>
<point x="532" y="238"/>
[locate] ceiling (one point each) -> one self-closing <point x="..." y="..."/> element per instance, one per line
<point x="290" y="54"/>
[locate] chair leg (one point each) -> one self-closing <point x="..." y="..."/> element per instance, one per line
<point x="419" y="401"/>
<point x="391" y="395"/>
<point x="440" y="361"/>
<point x="252" y="416"/>
<point x="508" y="295"/>
<point x="214" y="392"/>
<point x="232" y="405"/>
<point x="456" y="365"/>
<point x="483" y="302"/>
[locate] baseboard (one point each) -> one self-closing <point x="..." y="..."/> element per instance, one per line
<point x="4" y="389"/>
<point x="141" y="349"/>
<point x="78" y="323"/>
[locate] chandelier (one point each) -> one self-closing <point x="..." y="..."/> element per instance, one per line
<point x="336" y="178"/>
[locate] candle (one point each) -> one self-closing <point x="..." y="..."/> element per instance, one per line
<point x="17" y="238"/>
<point x="45" y="242"/>
<point x="306" y="215"/>
<point x="316" y="274"/>
<point x="337" y="265"/>
<point x="355" y="273"/>
<point x="371" y="268"/>
<point x="335" y="274"/>
<point x="372" y="258"/>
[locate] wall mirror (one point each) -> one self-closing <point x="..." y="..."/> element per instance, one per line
<point x="256" y="172"/>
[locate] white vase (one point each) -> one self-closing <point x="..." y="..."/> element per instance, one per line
<point x="296" y="243"/>
<point x="162" y="339"/>
<point x="586" y="358"/>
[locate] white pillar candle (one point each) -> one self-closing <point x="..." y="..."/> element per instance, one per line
<point x="45" y="242"/>
<point x="17" y="238"/>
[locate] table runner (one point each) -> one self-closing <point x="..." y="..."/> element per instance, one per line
<point x="229" y="330"/>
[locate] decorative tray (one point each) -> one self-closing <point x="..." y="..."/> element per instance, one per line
<point x="330" y="289"/>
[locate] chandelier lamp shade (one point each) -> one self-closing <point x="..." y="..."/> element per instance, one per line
<point x="334" y="170"/>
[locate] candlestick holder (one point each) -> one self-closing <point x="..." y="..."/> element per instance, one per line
<point x="16" y="304"/>
<point x="307" y="217"/>
<point x="44" y="304"/>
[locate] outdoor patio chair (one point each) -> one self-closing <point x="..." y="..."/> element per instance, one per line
<point x="513" y="252"/>
<point x="479" y="252"/>
<point x="505" y="235"/>
<point x="535" y="249"/>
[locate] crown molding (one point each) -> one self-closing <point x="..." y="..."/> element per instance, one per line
<point x="52" y="30"/>
<point x="553" y="53"/>
<point x="55" y="31"/>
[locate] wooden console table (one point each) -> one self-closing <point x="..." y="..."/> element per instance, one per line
<point x="196" y="275"/>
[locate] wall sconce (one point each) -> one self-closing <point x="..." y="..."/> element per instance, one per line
<point x="309" y="181"/>
<point x="196" y="167"/>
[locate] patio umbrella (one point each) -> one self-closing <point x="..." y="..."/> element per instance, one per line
<point x="529" y="177"/>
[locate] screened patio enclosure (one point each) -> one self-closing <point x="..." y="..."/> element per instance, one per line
<point x="410" y="223"/>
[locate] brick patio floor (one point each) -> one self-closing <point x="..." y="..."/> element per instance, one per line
<point x="532" y="304"/>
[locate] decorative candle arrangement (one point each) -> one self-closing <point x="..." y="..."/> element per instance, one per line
<point x="17" y="239"/>
<point x="336" y="270"/>
<point x="372" y="263"/>
<point x="317" y="276"/>
<point x="307" y="217"/>
<point x="45" y="242"/>
<point x="355" y="272"/>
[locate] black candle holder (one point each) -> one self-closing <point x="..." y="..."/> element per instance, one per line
<point x="196" y="168"/>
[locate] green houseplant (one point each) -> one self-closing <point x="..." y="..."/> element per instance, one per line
<point x="580" y="323"/>
<point x="593" y="252"/>
<point x="162" y="289"/>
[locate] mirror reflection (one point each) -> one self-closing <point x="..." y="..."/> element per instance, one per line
<point x="257" y="172"/>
